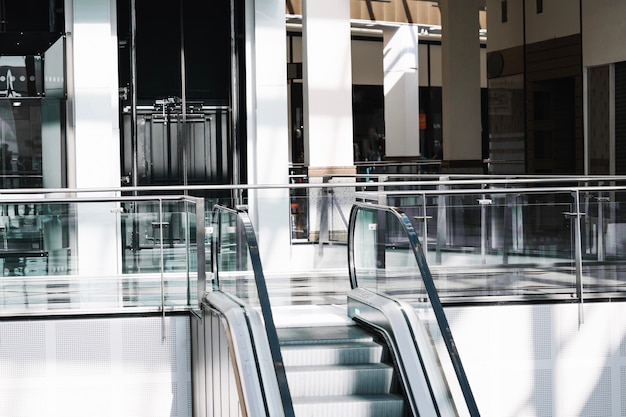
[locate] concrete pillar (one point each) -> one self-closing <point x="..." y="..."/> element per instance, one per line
<point x="461" y="86"/>
<point x="93" y="129"/>
<point x="268" y="134"/>
<point x="401" y="87"/>
<point x="327" y="77"/>
<point x="327" y="96"/>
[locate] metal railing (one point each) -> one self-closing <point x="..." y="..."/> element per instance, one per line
<point x="100" y="254"/>
<point x="503" y="238"/>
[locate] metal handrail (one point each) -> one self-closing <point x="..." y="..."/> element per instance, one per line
<point x="442" y="180"/>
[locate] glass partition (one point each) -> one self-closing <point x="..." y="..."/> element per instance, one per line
<point x="233" y="272"/>
<point x="99" y="255"/>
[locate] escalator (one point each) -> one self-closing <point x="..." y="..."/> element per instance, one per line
<point x="394" y="356"/>
<point x="339" y="371"/>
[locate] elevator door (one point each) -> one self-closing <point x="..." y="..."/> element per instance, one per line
<point x="176" y="149"/>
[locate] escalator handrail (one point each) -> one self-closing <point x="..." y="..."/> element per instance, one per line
<point x="428" y="283"/>
<point x="420" y="371"/>
<point x="259" y="279"/>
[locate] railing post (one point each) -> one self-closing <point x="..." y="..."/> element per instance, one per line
<point x="201" y="249"/>
<point x="483" y="202"/>
<point x="600" y="232"/>
<point x="323" y="216"/>
<point x="424" y="219"/>
<point x="507" y="240"/>
<point x="441" y="222"/>
<point x="578" y="260"/>
<point x="162" y="268"/>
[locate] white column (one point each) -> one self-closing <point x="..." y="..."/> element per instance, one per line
<point x="327" y="76"/>
<point x="401" y="87"/>
<point x="268" y="134"/>
<point x="93" y="138"/>
<point x="461" y="84"/>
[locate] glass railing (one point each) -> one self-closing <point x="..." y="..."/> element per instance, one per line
<point x="236" y="269"/>
<point x="513" y="240"/>
<point x="66" y="255"/>
<point x="486" y="239"/>
<point x="385" y="257"/>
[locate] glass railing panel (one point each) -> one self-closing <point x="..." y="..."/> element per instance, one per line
<point x="234" y="272"/>
<point x="97" y="254"/>
<point x="151" y="227"/>
<point x="504" y="243"/>
<point x="603" y="243"/>
<point x="159" y="241"/>
<point x="384" y="260"/>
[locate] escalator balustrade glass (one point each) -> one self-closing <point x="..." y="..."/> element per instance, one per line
<point x="385" y="256"/>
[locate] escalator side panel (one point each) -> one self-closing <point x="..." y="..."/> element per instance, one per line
<point x="422" y="375"/>
<point x="245" y="351"/>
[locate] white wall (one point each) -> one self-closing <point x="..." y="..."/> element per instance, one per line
<point x="604" y="32"/>
<point x="504" y="35"/>
<point x="95" y="367"/>
<point x="536" y="360"/>
<point x="559" y="18"/>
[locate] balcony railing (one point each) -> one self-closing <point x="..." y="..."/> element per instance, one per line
<point x="486" y="239"/>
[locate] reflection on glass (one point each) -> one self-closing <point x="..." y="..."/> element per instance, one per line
<point x="20" y="143"/>
<point x="384" y="260"/>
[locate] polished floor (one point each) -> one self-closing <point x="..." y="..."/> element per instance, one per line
<point x="174" y="291"/>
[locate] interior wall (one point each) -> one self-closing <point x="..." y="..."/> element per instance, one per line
<point x="558" y="19"/>
<point x="100" y="367"/>
<point x="604" y="32"/>
<point x="503" y="35"/>
<point x="538" y="360"/>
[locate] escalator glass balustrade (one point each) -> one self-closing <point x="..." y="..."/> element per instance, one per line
<point x="393" y="292"/>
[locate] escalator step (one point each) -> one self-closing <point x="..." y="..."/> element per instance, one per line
<point x="388" y="405"/>
<point x="332" y="353"/>
<point x="374" y="378"/>
<point x="318" y="335"/>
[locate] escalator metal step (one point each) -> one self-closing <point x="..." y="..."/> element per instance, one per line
<point x="387" y="405"/>
<point x="369" y="378"/>
<point x="322" y="334"/>
<point x="344" y="353"/>
<point x="338" y="371"/>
